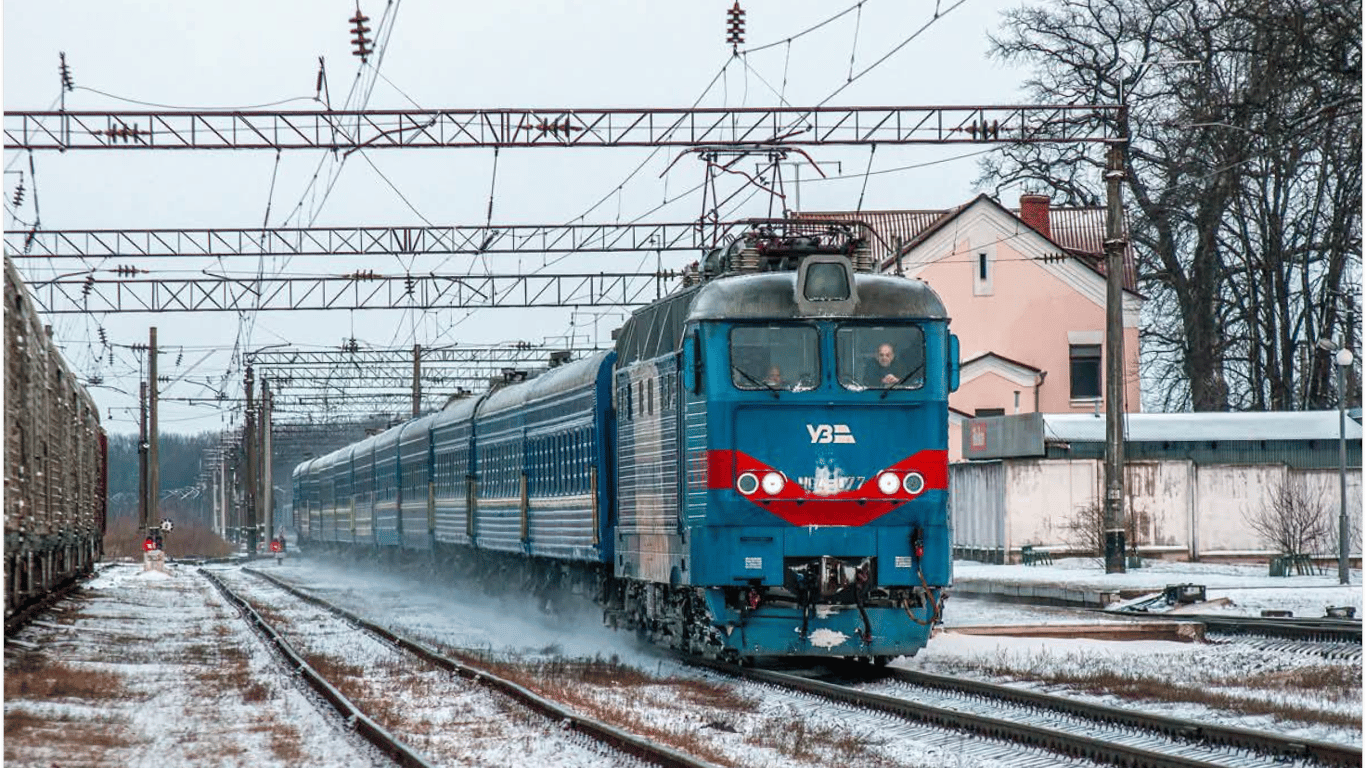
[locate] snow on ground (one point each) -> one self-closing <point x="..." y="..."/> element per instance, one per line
<point x="154" y="669"/>
<point x="1005" y="658"/>
<point x="151" y="630"/>
<point x="1247" y="585"/>
<point x="448" y="719"/>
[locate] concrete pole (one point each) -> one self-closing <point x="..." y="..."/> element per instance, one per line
<point x="1114" y="360"/>
<point x="249" y="484"/>
<point x="417" y="380"/>
<point x="223" y="493"/>
<point x="267" y="473"/>
<point x="153" y="454"/>
<point x="1344" y="524"/>
<point x="142" y="457"/>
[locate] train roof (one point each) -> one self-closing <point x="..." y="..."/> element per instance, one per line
<point x="772" y="296"/>
<point x="569" y="376"/>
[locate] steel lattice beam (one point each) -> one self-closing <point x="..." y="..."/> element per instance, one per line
<point x="384" y="129"/>
<point x="365" y="357"/>
<point x="73" y="295"/>
<point x="358" y="241"/>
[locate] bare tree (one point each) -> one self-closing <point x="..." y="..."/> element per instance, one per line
<point x="1244" y="172"/>
<point x="1085" y="529"/>
<point x="1292" y="519"/>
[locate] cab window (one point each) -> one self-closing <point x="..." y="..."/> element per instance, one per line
<point x="880" y="356"/>
<point x="775" y="357"/>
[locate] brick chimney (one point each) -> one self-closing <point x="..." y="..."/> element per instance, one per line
<point x="1034" y="212"/>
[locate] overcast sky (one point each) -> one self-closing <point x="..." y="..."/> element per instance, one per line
<point x="451" y="55"/>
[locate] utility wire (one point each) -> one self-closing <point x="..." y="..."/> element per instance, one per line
<point x="808" y="30"/>
<point x="196" y="108"/>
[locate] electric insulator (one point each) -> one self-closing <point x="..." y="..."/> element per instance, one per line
<point x="65" y="70"/>
<point x="362" y="43"/>
<point x="736" y="34"/>
<point x="179" y="358"/>
<point x="89" y="285"/>
<point x="408" y="283"/>
<point x="104" y="337"/>
<point x="19" y="191"/>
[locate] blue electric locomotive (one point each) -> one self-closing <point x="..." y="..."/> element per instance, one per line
<point x="759" y="467"/>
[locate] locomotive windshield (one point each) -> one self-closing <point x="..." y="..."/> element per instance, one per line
<point x="880" y="356"/>
<point x="775" y="357"/>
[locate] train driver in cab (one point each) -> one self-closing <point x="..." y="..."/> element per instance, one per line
<point x="885" y="369"/>
<point x="775" y="377"/>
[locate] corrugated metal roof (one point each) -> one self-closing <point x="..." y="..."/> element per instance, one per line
<point x="1189" y="427"/>
<point x="1082" y="232"/>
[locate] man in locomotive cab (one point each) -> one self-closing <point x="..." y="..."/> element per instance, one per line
<point x="885" y="369"/>
<point x="775" y="376"/>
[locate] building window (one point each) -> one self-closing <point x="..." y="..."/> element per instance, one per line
<point x="982" y="272"/>
<point x="980" y="412"/>
<point x="1085" y="371"/>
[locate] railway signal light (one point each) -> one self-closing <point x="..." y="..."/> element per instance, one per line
<point x="362" y="43"/>
<point x="149" y="544"/>
<point x="736" y="33"/>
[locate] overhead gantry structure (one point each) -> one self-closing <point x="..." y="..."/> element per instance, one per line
<point x="567" y="127"/>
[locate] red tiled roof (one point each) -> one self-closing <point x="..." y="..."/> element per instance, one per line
<point x="1079" y="231"/>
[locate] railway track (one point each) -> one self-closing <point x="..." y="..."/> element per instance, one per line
<point x="629" y="747"/>
<point x="1067" y="728"/>
<point x="1313" y="630"/>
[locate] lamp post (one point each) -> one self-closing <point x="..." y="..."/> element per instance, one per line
<point x="1343" y="358"/>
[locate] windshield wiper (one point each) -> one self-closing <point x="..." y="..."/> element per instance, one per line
<point x="903" y="379"/>
<point x="753" y="380"/>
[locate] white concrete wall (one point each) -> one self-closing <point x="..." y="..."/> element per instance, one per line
<point x="1182" y="508"/>
<point x="1322" y="485"/>
<point x="1158" y="496"/>
<point x="1043" y="496"/>
<point x="1225" y="495"/>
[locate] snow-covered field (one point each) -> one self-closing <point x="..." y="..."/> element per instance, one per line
<point x="164" y="641"/>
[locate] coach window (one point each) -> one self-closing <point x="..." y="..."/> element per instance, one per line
<point x="775" y="357"/>
<point x="880" y="356"/>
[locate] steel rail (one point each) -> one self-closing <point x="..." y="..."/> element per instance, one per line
<point x="371" y="730"/>
<point x="1175" y="728"/>
<point x="743" y="127"/>
<point x="615" y="737"/>
<point x="1293" y="628"/>
<point x="1070" y="744"/>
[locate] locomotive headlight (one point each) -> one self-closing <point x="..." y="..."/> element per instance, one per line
<point x="888" y="482"/>
<point x="773" y="483"/>
<point x="914" y="483"/>
<point x="747" y="483"/>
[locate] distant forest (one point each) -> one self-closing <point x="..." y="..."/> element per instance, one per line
<point x="180" y="457"/>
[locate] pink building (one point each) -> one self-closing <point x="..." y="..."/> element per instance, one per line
<point x="1026" y="291"/>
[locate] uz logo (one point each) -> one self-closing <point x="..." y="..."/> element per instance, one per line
<point x="830" y="433"/>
